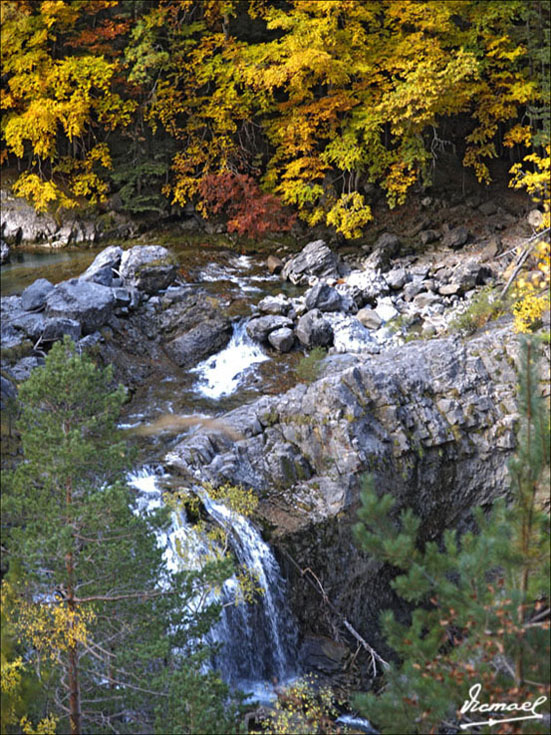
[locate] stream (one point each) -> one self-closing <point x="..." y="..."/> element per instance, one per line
<point x="256" y="642"/>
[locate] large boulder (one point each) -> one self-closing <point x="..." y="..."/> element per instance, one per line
<point x="149" y="268"/>
<point x="316" y="259"/>
<point x="313" y="330"/>
<point x="34" y="296"/>
<point x="200" y="342"/>
<point x="323" y="297"/>
<point x="102" y="267"/>
<point x="282" y="339"/>
<point x="59" y="326"/>
<point x="385" y="249"/>
<point x="88" y="303"/>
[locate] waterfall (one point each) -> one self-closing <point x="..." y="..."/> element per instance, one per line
<point x="222" y="373"/>
<point x="257" y="641"/>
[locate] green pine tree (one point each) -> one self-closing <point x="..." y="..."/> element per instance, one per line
<point x="480" y="601"/>
<point x="111" y="635"/>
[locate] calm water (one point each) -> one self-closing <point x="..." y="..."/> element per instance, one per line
<point x="26" y="266"/>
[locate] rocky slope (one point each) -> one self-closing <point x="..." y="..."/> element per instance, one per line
<point x="433" y="422"/>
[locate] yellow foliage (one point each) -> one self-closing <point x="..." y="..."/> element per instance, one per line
<point x="349" y="215"/>
<point x="49" y="627"/>
<point x="533" y="291"/>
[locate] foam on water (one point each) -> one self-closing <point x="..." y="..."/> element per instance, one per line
<point x="221" y="374"/>
<point x="257" y="641"/>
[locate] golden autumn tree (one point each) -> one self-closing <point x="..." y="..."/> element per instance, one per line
<point x="58" y="102"/>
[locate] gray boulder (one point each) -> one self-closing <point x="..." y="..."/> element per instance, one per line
<point x="200" y="342"/>
<point x="316" y="259"/>
<point x="313" y="330"/>
<point x="465" y="277"/>
<point x="259" y="329"/>
<point x="87" y="303"/>
<point x="396" y="278"/>
<point x="148" y="268"/>
<point x="428" y="236"/>
<point x="282" y="339"/>
<point x="279" y="304"/>
<point x="456" y="238"/>
<point x="385" y="249"/>
<point x="34" y="296"/>
<point x="104" y="276"/>
<point x="323" y="297"/>
<point x="57" y="327"/>
<point x="107" y="261"/>
<point x="30" y="324"/>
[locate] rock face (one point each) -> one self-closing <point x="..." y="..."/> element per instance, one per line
<point x="148" y="268"/>
<point x="85" y="302"/>
<point x="21" y="223"/>
<point x="316" y="259"/>
<point x="433" y="423"/>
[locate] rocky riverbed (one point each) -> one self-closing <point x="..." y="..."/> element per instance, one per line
<point x="428" y="413"/>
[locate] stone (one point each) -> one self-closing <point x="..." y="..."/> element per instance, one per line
<point x="4" y="252"/>
<point x="57" y="327"/>
<point x="149" y="268"/>
<point x="370" y="284"/>
<point x="448" y="289"/>
<point x="381" y="415"/>
<point x="200" y="342"/>
<point x="488" y="208"/>
<point x="396" y="278"/>
<point x="316" y="259"/>
<point x="123" y="297"/>
<point x="423" y="300"/>
<point x="279" y="304"/>
<point x="428" y="236"/>
<point x="386" y="247"/>
<point x="456" y="238"/>
<point x="323" y="297"/>
<point x="87" y="303"/>
<point x="259" y="328"/>
<point x="275" y="264"/>
<point x="369" y="318"/>
<point x="323" y="655"/>
<point x="109" y="259"/>
<point x="313" y="330"/>
<point x="386" y="310"/>
<point x="492" y="249"/>
<point x="412" y="288"/>
<point x="20" y="222"/>
<point x="104" y="276"/>
<point x="282" y="339"/>
<point x="32" y="324"/>
<point x="34" y="296"/>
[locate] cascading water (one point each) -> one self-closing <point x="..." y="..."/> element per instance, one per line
<point x="257" y="641"/>
<point x="222" y="373"/>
